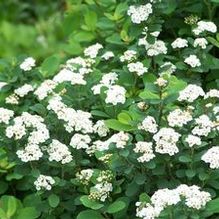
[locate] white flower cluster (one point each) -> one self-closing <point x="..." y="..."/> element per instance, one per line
<point x="80" y="141"/>
<point x="193" y="140"/>
<point x="203" y="126"/>
<point x="84" y="176"/>
<point x="128" y="56"/>
<point x="77" y="120"/>
<point x="31" y="152"/>
<point x="166" y="139"/>
<point x="193" y="196"/>
<point x="28" y="64"/>
<point x="161" y="82"/>
<point x="92" y="51"/>
<point x="100" y="128"/>
<point x="148" y="124"/>
<point x="45" y="89"/>
<point x="114" y="94"/>
<point x="179" y="118"/>
<point x="12" y="99"/>
<point x="23" y="90"/>
<point x="137" y="67"/>
<point x="191" y="93"/>
<point x="44" y="182"/>
<point x="203" y="26"/>
<point x="179" y="43"/>
<point x="59" y="152"/>
<point x="155" y="49"/>
<point x="213" y="93"/>
<point x="145" y="148"/>
<point x="101" y="191"/>
<point x="201" y="42"/>
<point x="193" y="61"/>
<point x="212" y="157"/>
<point x="5" y="115"/>
<point x="140" y="13"/>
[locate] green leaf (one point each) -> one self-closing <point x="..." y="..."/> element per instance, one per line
<point x="53" y="200"/>
<point x="212" y="207"/>
<point x="144" y="198"/>
<point x="124" y="118"/>
<point x="50" y="65"/>
<point x="89" y="214"/>
<point x="27" y="213"/>
<point x="116" y="207"/>
<point x="185" y="159"/>
<point x="90" y="19"/>
<point x="213" y="41"/>
<point x="148" y="95"/>
<point x="9" y="205"/>
<point x="118" y="126"/>
<point x="90" y="203"/>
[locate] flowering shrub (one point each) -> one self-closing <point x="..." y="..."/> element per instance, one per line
<point x="114" y="133"/>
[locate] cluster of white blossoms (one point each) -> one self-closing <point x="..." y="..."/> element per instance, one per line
<point x="213" y="93"/>
<point x="203" y="126"/>
<point x="137" y="67"/>
<point x="193" y="140"/>
<point x="128" y="56"/>
<point x="201" y="42"/>
<point x="115" y="93"/>
<point x="12" y="99"/>
<point x="193" y="61"/>
<point x="44" y="182"/>
<point x="191" y="93"/>
<point x="212" y="157"/>
<point x="203" y="26"/>
<point x="31" y="152"/>
<point x="28" y="64"/>
<point x="144" y="148"/>
<point x="84" y="176"/>
<point x="179" y="43"/>
<point x="148" y="124"/>
<point x="59" y="152"/>
<point x="80" y="141"/>
<point x="179" y="118"/>
<point x="192" y="196"/>
<point x="166" y="139"/>
<point x="140" y="13"/>
<point x="45" y="88"/>
<point x="77" y="120"/>
<point x="23" y="90"/>
<point x="92" y="51"/>
<point x="5" y="115"/>
<point x="155" y="49"/>
<point x="100" y="128"/>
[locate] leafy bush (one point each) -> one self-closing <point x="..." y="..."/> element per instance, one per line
<point x="128" y="129"/>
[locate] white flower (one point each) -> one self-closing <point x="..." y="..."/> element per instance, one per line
<point x="115" y="94"/>
<point x="212" y="157"/>
<point x="179" y="43"/>
<point x="140" y="13"/>
<point x="128" y="55"/>
<point x="12" y="99"/>
<point x="178" y="118"/>
<point x="193" y="61"/>
<point x="193" y="140"/>
<point x="155" y="49"/>
<point x="212" y="93"/>
<point x="145" y="148"/>
<point x="201" y="42"/>
<point x="107" y="55"/>
<point x="5" y="115"/>
<point x="100" y="128"/>
<point x="149" y="125"/>
<point x="102" y="190"/>
<point x="59" y="152"/>
<point x="191" y="93"/>
<point x="23" y="90"/>
<point x="84" y="176"/>
<point x="44" y="182"/>
<point x="120" y="139"/>
<point x="205" y="26"/>
<point x="161" y="82"/>
<point x="137" y="67"/>
<point x="31" y="152"/>
<point x="28" y="64"/>
<point x="109" y="79"/>
<point x="92" y="51"/>
<point x="80" y="141"/>
<point x="166" y="140"/>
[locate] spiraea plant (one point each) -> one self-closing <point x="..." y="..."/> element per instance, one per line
<point x="119" y="132"/>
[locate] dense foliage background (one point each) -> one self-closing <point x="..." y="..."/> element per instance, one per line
<point x="53" y="32"/>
